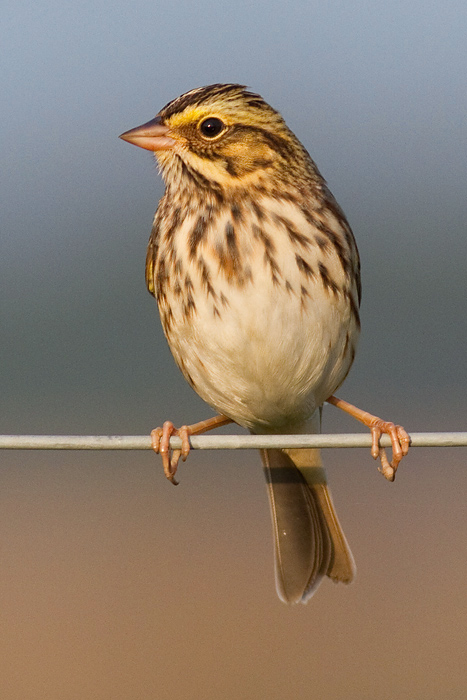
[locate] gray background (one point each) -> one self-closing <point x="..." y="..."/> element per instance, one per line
<point x="115" y="585"/>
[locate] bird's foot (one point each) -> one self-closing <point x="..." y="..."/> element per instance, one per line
<point x="400" y="443"/>
<point x="160" y="440"/>
<point x="400" y="439"/>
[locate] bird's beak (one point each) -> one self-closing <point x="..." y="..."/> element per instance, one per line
<point x="152" y="136"/>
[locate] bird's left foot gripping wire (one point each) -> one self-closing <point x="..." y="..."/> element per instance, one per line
<point x="400" y="439"/>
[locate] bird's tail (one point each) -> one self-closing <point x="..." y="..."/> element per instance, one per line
<point x="309" y="542"/>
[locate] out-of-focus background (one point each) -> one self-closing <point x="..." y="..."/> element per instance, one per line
<point x="113" y="584"/>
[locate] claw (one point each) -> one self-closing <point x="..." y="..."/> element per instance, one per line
<point x="400" y="443"/>
<point x="160" y="440"/>
<point x="400" y="439"/>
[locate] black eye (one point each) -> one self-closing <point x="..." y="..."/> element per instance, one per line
<point x="211" y="127"/>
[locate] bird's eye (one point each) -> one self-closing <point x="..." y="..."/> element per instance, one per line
<point x="211" y="127"/>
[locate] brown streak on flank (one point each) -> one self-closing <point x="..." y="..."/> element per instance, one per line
<point x="168" y="320"/>
<point x="229" y="256"/>
<point x="322" y="243"/>
<point x="224" y="300"/>
<point x="310" y="217"/>
<point x="304" y="294"/>
<point x="205" y="278"/>
<point x="174" y="222"/>
<point x="335" y="242"/>
<point x="294" y="235"/>
<point x="326" y="279"/>
<point x="221" y="256"/>
<point x="288" y="287"/>
<point x="232" y="246"/>
<point x="349" y="238"/>
<point x="346" y="266"/>
<point x="231" y="239"/>
<point x="342" y="254"/>
<point x="161" y="275"/>
<point x="314" y="220"/>
<point x="176" y="267"/>
<point x="237" y="214"/>
<point x="171" y="255"/>
<point x="332" y="205"/>
<point x="264" y="238"/>
<point x="211" y="211"/>
<point x="189" y="379"/>
<point x="347" y="343"/>
<point x="269" y="250"/>
<point x="303" y="266"/>
<point x="197" y="235"/>
<point x="189" y="308"/>
<point x="273" y="266"/>
<point x="151" y="254"/>
<point x="353" y="308"/>
<point x="358" y="280"/>
<point x="260" y="214"/>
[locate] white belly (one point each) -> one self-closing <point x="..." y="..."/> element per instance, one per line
<point x="265" y="353"/>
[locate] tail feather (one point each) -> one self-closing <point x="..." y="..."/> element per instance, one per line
<point x="309" y="542"/>
<point x="342" y="565"/>
<point x="302" y="545"/>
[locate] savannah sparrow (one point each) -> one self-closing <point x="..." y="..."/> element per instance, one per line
<point x="257" y="278"/>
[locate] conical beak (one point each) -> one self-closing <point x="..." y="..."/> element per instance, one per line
<point x="152" y="136"/>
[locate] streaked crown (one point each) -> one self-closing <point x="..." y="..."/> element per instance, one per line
<point x="231" y="137"/>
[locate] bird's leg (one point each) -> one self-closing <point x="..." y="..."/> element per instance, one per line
<point x="160" y="440"/>
<point x="400" y="439"/>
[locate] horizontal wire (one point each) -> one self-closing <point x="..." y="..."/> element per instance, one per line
<point x="221" y="442"/>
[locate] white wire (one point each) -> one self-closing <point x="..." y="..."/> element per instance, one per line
<point x="220" y="442"/>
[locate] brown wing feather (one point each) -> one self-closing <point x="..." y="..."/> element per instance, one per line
<point x="151" y="255"/>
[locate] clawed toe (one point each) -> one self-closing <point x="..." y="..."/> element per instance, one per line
<point x="400" y="439"/>
<point x="160" y="440"/>
<point x="400" y="443"/>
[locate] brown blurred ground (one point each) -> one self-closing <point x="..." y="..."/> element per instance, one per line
<point x="117" y="586"/>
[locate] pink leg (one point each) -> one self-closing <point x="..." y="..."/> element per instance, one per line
<point x="160" y="440"/>
<point x="400" y="439"/>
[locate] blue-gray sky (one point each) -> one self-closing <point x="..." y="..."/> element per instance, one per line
<point x="377" y="93"/>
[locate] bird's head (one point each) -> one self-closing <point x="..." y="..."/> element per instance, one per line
<point x="222" y="135"/>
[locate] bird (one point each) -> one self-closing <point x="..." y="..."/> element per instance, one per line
<point x="256" y="274"/>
